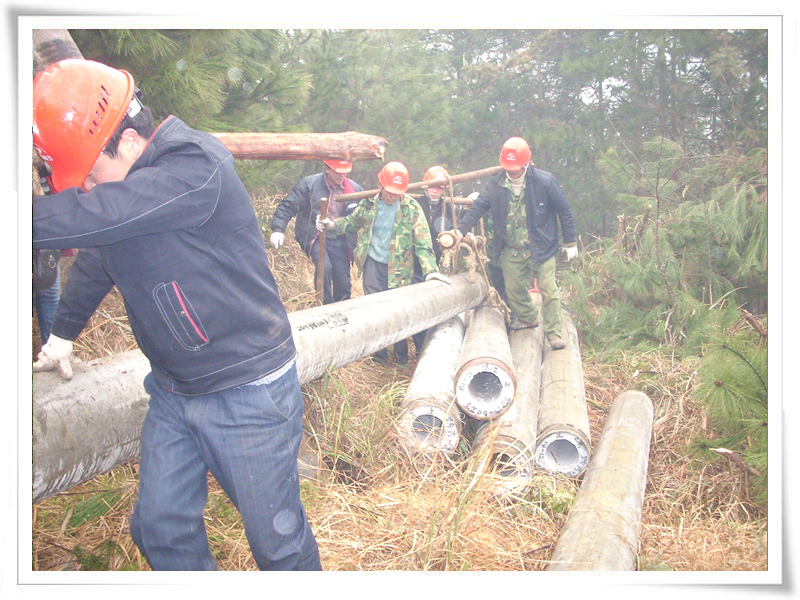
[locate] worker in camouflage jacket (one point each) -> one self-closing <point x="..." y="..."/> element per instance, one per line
<point x="395" y="232"/>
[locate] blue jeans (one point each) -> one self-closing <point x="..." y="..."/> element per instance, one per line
<point x="46" y="302"/>
<point x="248" y="437"/>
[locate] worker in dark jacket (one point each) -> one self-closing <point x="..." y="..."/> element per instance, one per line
<point x="527" y="205"/>
<point x="304" y="202"/>
<point x="440" y="216"/>
<point x="164" y="217"/>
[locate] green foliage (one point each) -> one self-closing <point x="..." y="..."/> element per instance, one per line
<point x="220" y="80"/>
<point x="452" y="96"/>
<point x="692" y="248"/>
<point x="99" y="558"/>
<point x="93" y="507"/>
<point x="388" y="83"/>
<point x="733" y="386"/>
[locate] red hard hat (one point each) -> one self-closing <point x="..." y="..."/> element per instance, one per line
<point x="77" y="106"/>
<point x="436" y="173"/>
<point x="394" y="178"/>
<point x="515" y="154"/>
<point x="340" y="166"/>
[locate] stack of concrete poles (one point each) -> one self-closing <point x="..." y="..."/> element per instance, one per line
<point x="92" y="423"/>
<point x="602" y="529"/>
<point x="485" y="382"/>
<point x="430" y="423"/>
<point x="508" y="442"/>
<point x="563" y="439"/>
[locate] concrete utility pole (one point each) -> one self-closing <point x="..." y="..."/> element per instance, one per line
<point x="336" y="334"/>
<point x="485" y="383"/>
<point x="89" y="424"/>
<point x="601" y="532"/>
<point x="510" y="441"/>
<point x="92" y="423"/>
<point x="431" y="422"/>
<point x="424" y="185"/>
<point x="563" y="440"/>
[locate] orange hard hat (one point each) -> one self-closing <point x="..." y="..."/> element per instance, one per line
<point x="340" y="166"/>
<point x="394" y="178"/>
<point x="515" y="154"/>
<point x="436" y="173"/>
<point x="77" y="106"/>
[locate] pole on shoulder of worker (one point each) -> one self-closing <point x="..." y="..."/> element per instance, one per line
<point x="320" y="281"/>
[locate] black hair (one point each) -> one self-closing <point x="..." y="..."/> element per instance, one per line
<point x="141" y="122"/>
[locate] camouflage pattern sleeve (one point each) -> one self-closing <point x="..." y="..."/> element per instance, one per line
<point x="356" y="220"/>
<point x="423" y="244"/>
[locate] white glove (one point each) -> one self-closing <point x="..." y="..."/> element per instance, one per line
<point x="474" y="195"/>
<point x="276" y="239"/>
<point x="324" y="224"/>
<point x="571" y="252"/>
<point x="435" y="276"/>
<point x="55" y="356"/>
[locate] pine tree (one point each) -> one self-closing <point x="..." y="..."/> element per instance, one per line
<point x="213" y="79"/>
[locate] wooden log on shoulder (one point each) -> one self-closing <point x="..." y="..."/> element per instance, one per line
<point x="349" y="145"/>
<point x="50" y="46"/>
<point x="424" y="185"/>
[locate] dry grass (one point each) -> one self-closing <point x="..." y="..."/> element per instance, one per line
<point x="372" y="508"/>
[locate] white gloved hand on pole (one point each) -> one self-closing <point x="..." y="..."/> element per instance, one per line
<point x="435" y="276"/>
<point x="571" y="252"/>
<point x="324" y="224"/>
<point x="55" y="357"/>
<point x="276" y="239"/>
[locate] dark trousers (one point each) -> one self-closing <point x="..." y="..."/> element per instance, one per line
<point x="337" y="268"/>
<point x="376" y="279"/>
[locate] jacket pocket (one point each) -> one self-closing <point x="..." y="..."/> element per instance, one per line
<point x="180" y="316"/>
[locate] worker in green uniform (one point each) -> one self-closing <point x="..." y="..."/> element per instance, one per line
<point x="527" y="205"/>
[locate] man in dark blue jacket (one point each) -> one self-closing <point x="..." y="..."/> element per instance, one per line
<point x="161" y="214"/>
<point x="304" y="202"/>
<point x="527" y="205"/>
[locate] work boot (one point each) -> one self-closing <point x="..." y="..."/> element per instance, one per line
<point x="556" y="343"/>
<point x="516" y="324"/>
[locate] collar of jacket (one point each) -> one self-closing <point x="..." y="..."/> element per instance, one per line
<point x="405" y="201"/>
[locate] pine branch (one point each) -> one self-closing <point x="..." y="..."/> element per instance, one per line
<point x="734" y="457"/>
<point x="752" y="320"/>
<point x="739" y="354"/>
